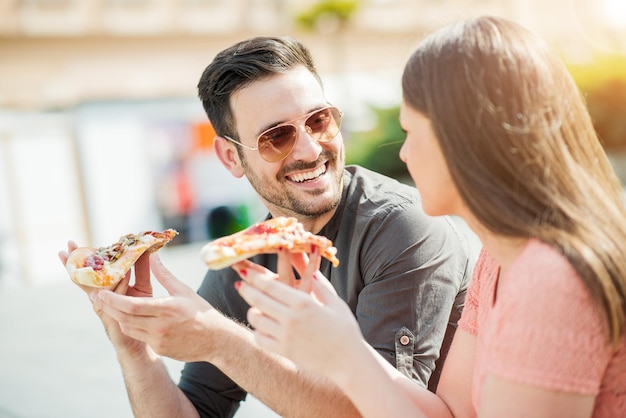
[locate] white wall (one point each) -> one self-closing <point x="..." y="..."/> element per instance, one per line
<point x="40" y="207"/>
<point x="90" y="174"/>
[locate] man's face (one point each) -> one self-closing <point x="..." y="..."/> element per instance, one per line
<point x="308" y="182"/>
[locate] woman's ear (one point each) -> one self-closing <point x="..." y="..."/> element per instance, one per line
<point x="227" y="154"/>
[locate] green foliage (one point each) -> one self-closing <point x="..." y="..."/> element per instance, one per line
<point x="379" y="148"/>
<point x="603" y="83"/>
<point x="342" y="10"/>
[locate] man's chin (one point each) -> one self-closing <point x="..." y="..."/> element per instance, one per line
<point x="316" y="206"/>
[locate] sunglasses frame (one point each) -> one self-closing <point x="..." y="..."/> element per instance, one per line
<point x="290" y="122"/>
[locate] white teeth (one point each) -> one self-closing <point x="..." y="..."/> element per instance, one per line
<point x="300" y="177"/>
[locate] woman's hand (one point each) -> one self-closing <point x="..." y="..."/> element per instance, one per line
<point x="303" y="320"/>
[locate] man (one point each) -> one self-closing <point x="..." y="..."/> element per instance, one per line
<point x="400" y="270"/>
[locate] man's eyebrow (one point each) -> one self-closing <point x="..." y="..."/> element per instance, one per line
<point x="274" y="124"/>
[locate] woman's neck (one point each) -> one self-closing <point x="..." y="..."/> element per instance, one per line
<point x="503" y="249"/>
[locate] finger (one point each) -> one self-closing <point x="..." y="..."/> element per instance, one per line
<point x="95" y="300"/>
<point x="261" y="322"/>
<point x="284" y="295"/>
<point x="249" y="265"/>
<point x="115" y="305"/>
<point x="308" y="274"/>
<point x="285" y="269"/>
<point x="166" y="278"/>
<point x="63" y="255"/>
<point x="267" y="342"/>
<point x="96" y="304"/>
<point x="122" y="287"/>
<point x="137" y="333"/>
<point x="246" y="267"/>
<point x="322" y="289"/>
<point x="273" y="308"/>
<point x="266" y="331"/>
<point x="132" y="326"/>
<point x="142" y="275"/>
<point x="299" y="261"/>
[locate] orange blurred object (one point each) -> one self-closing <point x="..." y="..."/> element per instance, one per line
<point x="203" y="135"/>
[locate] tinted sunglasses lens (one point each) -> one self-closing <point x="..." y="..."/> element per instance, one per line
<point x="325" y="124"/>
<point x="276" y="143"/>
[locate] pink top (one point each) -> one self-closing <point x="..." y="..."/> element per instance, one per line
<point x="544" y="330"/>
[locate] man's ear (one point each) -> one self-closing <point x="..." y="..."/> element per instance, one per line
<point x="227" y="154"/>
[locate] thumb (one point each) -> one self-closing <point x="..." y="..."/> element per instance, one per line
<point x="166" y="278"/>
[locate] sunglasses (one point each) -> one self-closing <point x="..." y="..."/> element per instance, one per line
<point x="276" y="143"/>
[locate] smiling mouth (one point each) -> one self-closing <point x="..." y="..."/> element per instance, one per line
<point x="309" y="175"/>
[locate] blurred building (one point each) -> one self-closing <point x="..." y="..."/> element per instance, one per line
<point x="56" y="53"/>
<point x="101" y="132"/>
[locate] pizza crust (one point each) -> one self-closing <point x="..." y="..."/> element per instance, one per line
<point x="224" y="261"/>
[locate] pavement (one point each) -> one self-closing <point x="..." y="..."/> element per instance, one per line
<point x="55" y="358"/>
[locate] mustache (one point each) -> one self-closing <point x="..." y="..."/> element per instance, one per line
<point x="325" y="156"/>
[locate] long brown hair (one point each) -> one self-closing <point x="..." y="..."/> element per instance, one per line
<point x="522" y="150"/>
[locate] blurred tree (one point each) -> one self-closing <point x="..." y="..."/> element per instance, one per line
<point x="327" y="16"/>
<point x="603" y="83"/>
<point x="378" y="149"/>
<point x="226" y="220"/>
<point x="330" y="18"/>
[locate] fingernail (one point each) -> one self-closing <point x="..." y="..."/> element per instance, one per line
<point x="313" y="249"/>
<point x="93" y="296"/>
<point x="237" y="285"/>
<point x="314" y="276"/>
<point x="243" y="272"/>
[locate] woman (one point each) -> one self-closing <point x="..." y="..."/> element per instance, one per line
<point x="498" y="134"/>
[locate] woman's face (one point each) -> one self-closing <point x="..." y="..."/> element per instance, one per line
<point x="425" y="162"/>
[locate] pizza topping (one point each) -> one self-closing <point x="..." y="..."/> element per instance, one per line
<point x="114" y="251"/>
<point x="260" y="228"/>
<point x="95" y="261"/>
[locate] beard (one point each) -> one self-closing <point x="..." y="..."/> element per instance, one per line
<point x="279" y="193"/>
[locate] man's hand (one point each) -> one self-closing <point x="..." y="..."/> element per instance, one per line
<point x="141" y="288"/>
<point x="181" y="326"/>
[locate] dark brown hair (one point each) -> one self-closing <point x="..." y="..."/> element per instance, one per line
<point x="242" y="64"/>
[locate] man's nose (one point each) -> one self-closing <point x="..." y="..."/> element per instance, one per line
<point x="306" y="148"/>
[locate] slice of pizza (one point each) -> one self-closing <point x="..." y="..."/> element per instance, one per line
<point x="105" y="267"/>
<point x="269" y="236"/>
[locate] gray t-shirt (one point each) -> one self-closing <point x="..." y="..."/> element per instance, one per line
<point x="401" y="273"/>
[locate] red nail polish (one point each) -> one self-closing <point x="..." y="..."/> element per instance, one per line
<point x="314" y="276"/>
<point x="243" y="272"/>
<point x="237" y="285"/>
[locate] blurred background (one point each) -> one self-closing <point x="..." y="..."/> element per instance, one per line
<point x="101" y="134"/>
